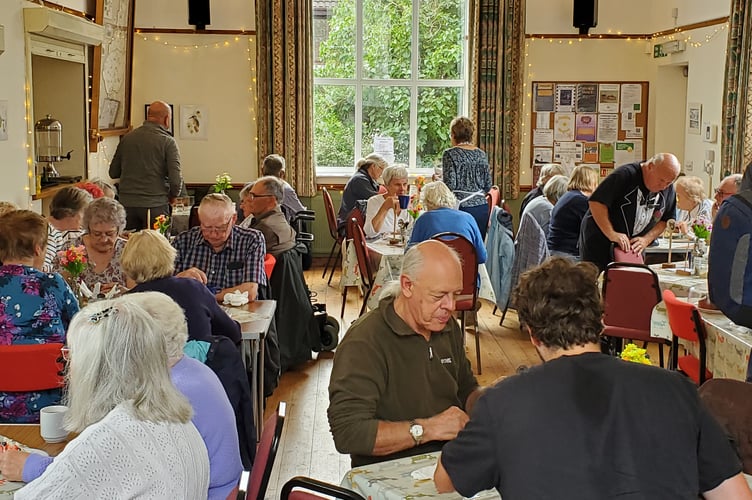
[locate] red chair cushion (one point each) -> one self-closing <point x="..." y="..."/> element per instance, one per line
<point x="269" y="261"/>
<point x="691" y="366"/>
<point x="30" y="367"/>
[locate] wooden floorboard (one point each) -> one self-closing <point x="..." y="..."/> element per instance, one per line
<point x="306" y="447"/>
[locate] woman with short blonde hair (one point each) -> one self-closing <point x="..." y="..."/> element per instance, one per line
<point x="567" y="214"/>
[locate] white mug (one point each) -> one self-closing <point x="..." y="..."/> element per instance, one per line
<point x="51" y="422"/>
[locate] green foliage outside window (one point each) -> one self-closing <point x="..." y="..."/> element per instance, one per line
<point x="387" y="37"/>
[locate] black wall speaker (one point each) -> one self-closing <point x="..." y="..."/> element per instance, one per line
<point x="585" y="15"/>
<point x="198" y="13"/>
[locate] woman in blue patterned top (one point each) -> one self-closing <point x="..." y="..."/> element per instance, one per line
<point x="35" y="307"/>
<point x="465" y="171"/>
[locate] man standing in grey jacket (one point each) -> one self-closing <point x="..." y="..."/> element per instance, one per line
<point x="147" y="162"/>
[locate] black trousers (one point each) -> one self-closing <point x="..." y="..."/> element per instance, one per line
<point x="136" y="216"/>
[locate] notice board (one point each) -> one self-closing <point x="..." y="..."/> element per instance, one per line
<point x="598" y="123"/>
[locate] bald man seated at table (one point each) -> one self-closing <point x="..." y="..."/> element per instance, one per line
<point x="401" y="383"/>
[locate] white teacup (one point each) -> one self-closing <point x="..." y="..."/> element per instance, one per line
<point x="51" y="421"/>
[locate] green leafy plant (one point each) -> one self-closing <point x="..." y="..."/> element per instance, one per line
<point x="223" y="183"/>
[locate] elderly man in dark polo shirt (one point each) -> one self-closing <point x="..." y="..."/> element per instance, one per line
<point x="401" y="383"/>
<point x="261" y="202"/>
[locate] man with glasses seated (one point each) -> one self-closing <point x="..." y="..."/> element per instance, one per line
<point x="728" y="187"/>
<point x="261" y="204"/>
<point x="219" y="254"/>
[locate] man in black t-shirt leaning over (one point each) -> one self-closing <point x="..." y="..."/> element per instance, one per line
<point x="585" y="425"/>
<point x="629" y="208"/>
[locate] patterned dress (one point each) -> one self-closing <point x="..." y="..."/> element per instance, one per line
<point x="35" y="308"/>
<point x="113" y="273"/>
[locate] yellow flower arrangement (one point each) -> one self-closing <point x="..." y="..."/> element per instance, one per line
<point x="635" y="354"/>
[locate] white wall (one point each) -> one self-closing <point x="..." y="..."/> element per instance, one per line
<point x="218" y="78"/>
<point x="13" y="158"/>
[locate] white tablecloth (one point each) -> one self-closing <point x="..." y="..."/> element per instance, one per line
<point x="403" y="478"/>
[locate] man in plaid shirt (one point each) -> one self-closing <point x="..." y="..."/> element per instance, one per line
<point x="223" y="256"/>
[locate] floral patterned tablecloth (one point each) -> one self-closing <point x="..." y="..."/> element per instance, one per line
<point x="728" y="345"/>
<point x="403" y="478"/>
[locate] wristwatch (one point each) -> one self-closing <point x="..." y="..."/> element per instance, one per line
<point x="416" y="431"/>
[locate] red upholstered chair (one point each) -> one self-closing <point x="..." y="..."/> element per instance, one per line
<point x="686" y="323"/>
<point x="30" y="367"/>
<point x="357" y="215"/>
<point x="331" y="219"/>
<point x="253" y="484"/>
<point x="493" y="198"/>
<point x="305" y="488"/>
<point x="620" y="255"/>
<point x="364" y="261"/>
<point x="269" y="261"/>
<point x="468" y="299"/>
<point x="630" y="292"/>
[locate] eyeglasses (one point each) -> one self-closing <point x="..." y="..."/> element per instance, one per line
<point x="719" y="192"/>
<point x="252" y="196"/>
<point x="100" y="235"/>
<point x="217" y="229"/>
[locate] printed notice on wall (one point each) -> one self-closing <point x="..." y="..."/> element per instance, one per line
<point x="565" y="97"/>
<point x="587" y="98"/>
<point x="544" y="97"/>
<point x="567" y="151"/>
<point x="543" y="119"/>
<point x="631" y="97"/>
<point x="606" y="152"/>
<point x="590" y="152"/>
<point x="624" y="152"/>
<point x="585" y="127"/>
<point x="563" y="126"/>
<point x="608" y="98"/>
<point x="635" y="133"/>
<point x="542" y="155"/>
<point x="608" y="127"/>
<point x="543" y="137"/>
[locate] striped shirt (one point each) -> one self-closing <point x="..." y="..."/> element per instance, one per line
<point x="240" y="261"/>
<point x="57" y="240"/>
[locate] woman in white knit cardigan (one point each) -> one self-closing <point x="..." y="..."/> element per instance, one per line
<point x="136" y="437"/>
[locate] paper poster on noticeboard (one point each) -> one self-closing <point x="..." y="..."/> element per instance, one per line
<point x="585" y="127"/>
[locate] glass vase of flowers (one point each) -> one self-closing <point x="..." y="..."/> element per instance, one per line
<point x="223" y="183"/>
<point x="162" y="224"/>
<point x="701" y="228"/>
<point x="74" y="261"/>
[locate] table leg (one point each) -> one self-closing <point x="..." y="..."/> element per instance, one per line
<point x="260" y="403"/>
<point x="250" y="351"/>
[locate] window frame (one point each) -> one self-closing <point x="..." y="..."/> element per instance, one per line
<point x="414" y="84"/>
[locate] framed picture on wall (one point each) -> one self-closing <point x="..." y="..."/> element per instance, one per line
<point x="171" y="128"/>
<point x="694" y="117"/>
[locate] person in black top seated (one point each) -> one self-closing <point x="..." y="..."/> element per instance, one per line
<point x="584" y="424"/>
<point x="361" y="186"/>
<point x="547" y="171"/>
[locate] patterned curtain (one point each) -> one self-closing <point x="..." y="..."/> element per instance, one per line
<point x="736" y="147"/>
<point x="497" y="38"/>
<point x="284" y="59"/>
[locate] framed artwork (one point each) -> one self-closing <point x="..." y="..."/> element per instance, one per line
<point x="194" y="122"/>
<point x="111" y="70"/>
<point x="171" y="129"/>
<point x="694" y="117"/>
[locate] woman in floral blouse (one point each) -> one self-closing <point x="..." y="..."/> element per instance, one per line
<point x="466" y="172"/>
<point x="104" y="220"/>
<point x="35" y="307"/>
